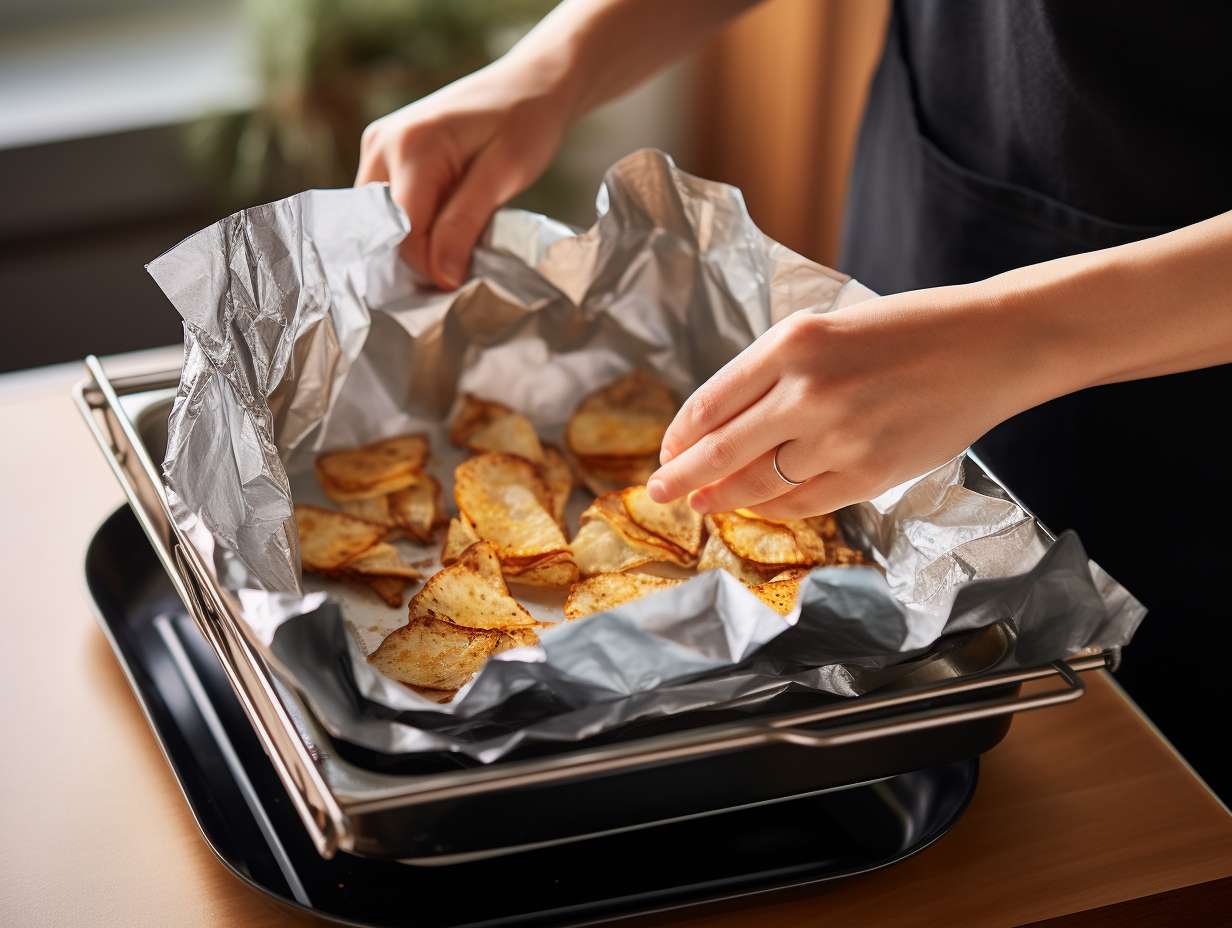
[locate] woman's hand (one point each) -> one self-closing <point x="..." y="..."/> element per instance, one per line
<point x="453" y="158"/>
<point x="856" y="401"/>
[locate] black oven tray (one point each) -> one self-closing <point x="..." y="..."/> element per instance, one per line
<point x="246" y="816"/>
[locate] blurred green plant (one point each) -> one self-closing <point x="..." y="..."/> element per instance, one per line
<point x="327" y="68"/>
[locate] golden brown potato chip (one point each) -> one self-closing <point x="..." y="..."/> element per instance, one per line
<point x="558" y="477"/>
<point x="438" y="655"/>
<point x="840" y="555"/>
<point x="611" y="475"/>
<point x="624" y="419"/>
<point x="785" y="544"/>
<point x="381" y="560"/>
<point x="473" y="415"/>
<point x="607" y="591"/>
<point x="390" y="589"/>
<point x="374" y="509"/>
<point x="826" y="527"/>
<point x="372" y="469"/>
<point x="511" y="433"/>
<point x="384" y="487"/>
<point x="554" y="570"/>
<point x="460" y="536"/>
<point x="599" y="549"/>
<point x="611" y="509"/>
<point x="417" y="509"/>
<point x="677" y="523"/>
<point x="782" y="591"/>
<point x="507" y="503"/>
<point x="717" y="556"/>
<point x="471" y="592"/>
<point x="328" y="539"/>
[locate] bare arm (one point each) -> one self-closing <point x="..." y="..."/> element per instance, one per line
<point x="866" y="397"/>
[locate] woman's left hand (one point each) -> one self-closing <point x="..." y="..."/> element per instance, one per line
<point x="856" y="401"/>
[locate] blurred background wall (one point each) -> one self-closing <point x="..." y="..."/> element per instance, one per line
<point x="126" y="125"/>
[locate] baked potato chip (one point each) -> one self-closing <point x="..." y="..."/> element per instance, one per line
<point x="382" y="560"/>
<point x="717" y="556"/>
<point x="558" y="477"/>
<point x="507" y="504"/>
<point x="611" y="475"/>
<point x="374" y="509"/>
<point x="439" y="655"/>
<point x="419" y="508"/>
<point x="599" y="549"/>
<point x="460" y="536"/>
<point x="471" y="592"/>
<point x="611" y="508"/>
<point x="328" y="539"/>
<point x="826" y="527"/>
<point x="782" y="591"/>
<point x="677" y="523"/>
<point x="390" y="589"/>
<point x="783" y="544"/>
<point x="372" y="469"/>
<point x="511" y="433"/>
<point x="607" y="591"/>
<point x="472" y="416"/>
<point x="626" y="418"/>
<point x="554" y="570"/>
<point x="342" y="495"/>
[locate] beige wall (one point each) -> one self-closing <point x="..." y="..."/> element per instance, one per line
<point x="780" y="94"/>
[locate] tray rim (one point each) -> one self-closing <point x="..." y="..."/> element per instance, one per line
<point x="326" y="814"/>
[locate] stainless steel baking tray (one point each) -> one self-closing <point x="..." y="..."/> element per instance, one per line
<point x="952" y="705"/>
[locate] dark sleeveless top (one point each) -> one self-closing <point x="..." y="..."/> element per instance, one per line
<point x="1000" y="133"/>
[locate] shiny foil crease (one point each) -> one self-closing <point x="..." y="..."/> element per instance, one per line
<point x="303" y="330"/>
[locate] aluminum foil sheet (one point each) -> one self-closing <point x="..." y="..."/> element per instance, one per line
<point x="304" y="331"/>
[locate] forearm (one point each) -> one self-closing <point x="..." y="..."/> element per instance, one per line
<point x="600" y="49"/>
<point x="1153" y="307"/>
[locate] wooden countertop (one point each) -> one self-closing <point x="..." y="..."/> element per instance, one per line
<point x="1083" y="809"/>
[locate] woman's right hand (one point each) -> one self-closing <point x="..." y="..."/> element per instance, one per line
<point x="452" y="158"/>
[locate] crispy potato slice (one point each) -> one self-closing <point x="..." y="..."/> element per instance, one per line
<point x="626" y="418"/>
<point x="374" y="509"/>
<point x="782" y="591"/>
<point x="611" y="475"/>
<point x="784" y="544"/>
<point x="507" y="503"/>
<point x="611" y="509"/>
<point x="390" y="589"/>
<point x="607" y="591"/>
<point x="418" y="509"/>
<point x="677" y="523"/>
<point x="599" y="549"/>
<point x="373" y="467"/>
<point x="826" y="527"/>
<point x="554" y="570"/>
<point x="342" y="495"/>
<point x="717" y="556"/>
<point x="328" y="539"/>
<point x="472" y="416"/>
<point x="460" y="536"/>
<point x="511" y="433"/>
<point x="558" y="477"/>
<point x="841" y="555"/>
<point x="438" y="655"/>
<point x="471" y="592"/>
<point x="382" y="560"/>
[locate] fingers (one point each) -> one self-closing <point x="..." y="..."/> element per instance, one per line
<point x="752" y="485"/>
<point x="730" y="448"/>
<point x="490" y="180"/>
<point x="824" y="493"/>
<point x="737" y="385"/>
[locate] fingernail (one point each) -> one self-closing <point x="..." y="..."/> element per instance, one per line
<point x="657" y="491"/>
<point x="453" y="270"/>
<point x="665" y="456"/>
<point x="698" y="504"/>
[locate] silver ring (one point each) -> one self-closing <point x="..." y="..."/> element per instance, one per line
<point x="782" y="476"/>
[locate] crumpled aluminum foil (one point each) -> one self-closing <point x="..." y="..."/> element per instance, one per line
<point x="303" y="331"/>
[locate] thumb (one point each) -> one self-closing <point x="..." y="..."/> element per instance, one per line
<point x="492" y="179"/>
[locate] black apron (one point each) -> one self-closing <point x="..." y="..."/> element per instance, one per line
<point x="1136" y="469"/>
